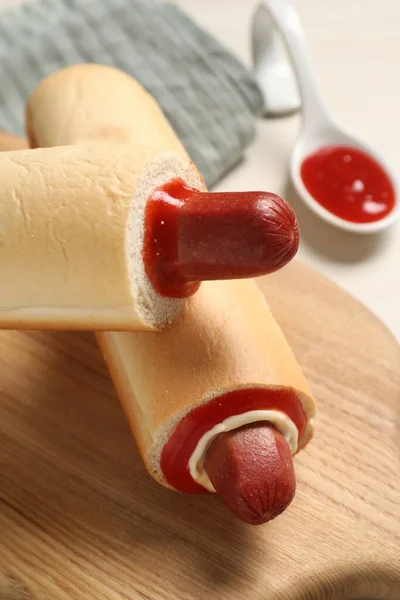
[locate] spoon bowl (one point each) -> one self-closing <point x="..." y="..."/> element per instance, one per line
<point x="310" y="141"/>
<point x="319" y="129"/>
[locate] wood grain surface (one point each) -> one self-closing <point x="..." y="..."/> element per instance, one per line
<point x="80" y="518"/>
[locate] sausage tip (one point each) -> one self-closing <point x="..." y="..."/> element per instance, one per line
<point x="193" y="236"/>
<point x="251" y="469"/>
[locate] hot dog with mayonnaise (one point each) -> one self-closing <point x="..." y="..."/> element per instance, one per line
<point x="222" y="366"/>
<point x="217" y="401"/>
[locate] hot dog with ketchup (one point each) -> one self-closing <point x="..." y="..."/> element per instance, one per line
<point x="216" y="401"/>
<point x="105" y="238"/>
<point x="111" y="237"/>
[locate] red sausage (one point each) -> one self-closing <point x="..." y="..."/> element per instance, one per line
<point x="193" y="236"/>
<point x="251" y="469"/>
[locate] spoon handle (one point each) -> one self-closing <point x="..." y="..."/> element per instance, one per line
<point x="287" y="21"/>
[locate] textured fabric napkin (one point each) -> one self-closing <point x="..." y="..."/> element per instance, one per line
<point x="208" y="96"/>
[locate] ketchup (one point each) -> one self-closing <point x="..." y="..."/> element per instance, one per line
<point x="181" y="444"/>
<point x="160" y="248"/>
<point x="192" y="236"/>
<point x="349" y="183"/>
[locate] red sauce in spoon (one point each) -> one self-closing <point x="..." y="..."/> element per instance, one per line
<point x="349" y="183"/>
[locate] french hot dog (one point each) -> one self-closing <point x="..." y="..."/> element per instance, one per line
<point x="216" y="401"/>
<point x="110" y="238"/>
<point x="222" y="365"/>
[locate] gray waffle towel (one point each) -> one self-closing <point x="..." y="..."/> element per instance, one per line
<point x="208" y="96"/>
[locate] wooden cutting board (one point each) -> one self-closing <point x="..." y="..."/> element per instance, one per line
<point x="80" y="518"/>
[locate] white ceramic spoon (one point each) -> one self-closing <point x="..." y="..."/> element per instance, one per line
<point x="272" y="69"/>
<point x="319" y="128"/>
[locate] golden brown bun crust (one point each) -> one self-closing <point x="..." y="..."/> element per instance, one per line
<point x="88" y="102"/>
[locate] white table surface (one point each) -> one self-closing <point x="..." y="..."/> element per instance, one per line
<point x="355" y="47"/>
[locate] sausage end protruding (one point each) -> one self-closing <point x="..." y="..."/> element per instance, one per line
<point x="251" y="469"/>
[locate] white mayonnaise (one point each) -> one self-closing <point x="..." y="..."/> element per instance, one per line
<point x="279" y="419"/>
